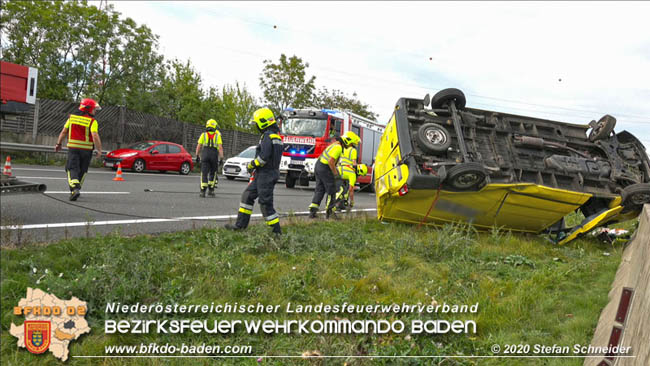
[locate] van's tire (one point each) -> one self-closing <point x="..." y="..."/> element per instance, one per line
<point x="636" y="195"/>
<point x="465" y="177"/>
<point x="442" y="98"/>
<point x="290" y="180"/>
<point x="603" y="129"/>
<point x="433" y="138"/>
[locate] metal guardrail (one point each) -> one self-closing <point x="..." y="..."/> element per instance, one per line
<point x="13" y="146"/>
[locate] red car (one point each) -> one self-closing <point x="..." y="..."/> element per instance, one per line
<point x="151" y="155"/>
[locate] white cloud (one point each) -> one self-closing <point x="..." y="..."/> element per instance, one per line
<point x="381" y="50"/>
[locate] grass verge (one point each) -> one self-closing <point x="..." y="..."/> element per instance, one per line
<point x="529" y="291"/>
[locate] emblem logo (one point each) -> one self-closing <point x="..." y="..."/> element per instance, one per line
<point x="37" y="335"/>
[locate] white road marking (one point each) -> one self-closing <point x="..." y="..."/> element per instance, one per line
<point x="86" y="192"/>
<point x="144" y="221"/>
<point x="62" y="170"/>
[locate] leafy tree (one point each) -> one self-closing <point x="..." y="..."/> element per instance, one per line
<point x="336" y="99"/>
<point x="237" y="105"/>
<point x="180" y="95"/>
<point x="81" y="50"/>
<point x="285" y="84"/>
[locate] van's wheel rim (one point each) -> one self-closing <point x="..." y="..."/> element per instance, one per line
<point x="640" y="198"/>
<point x="435" y="136"/>
<point x="467" y="180"/>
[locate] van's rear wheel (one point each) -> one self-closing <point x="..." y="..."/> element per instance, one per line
<point x="603" y="129"/>
<point x="465" y="177"/>
<point x="442" y="98"/>
<point x="433" y="138"/>
<point x="636" y="195"/>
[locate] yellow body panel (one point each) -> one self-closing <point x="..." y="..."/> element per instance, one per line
<point x="596" y="221"/>
<point x="389" y="175"/>
<point x="521" y="207"/>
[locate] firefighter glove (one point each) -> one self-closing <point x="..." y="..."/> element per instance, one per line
<point x="250" y="167"/>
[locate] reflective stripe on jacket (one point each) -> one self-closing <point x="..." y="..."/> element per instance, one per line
<point x="208" y="141"/>
<point x="348" y="159"/>
<point x="79" y="132"/>
<point x="332" y="151"/>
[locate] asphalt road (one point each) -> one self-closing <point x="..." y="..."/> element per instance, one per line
<point x="107" y="206"/>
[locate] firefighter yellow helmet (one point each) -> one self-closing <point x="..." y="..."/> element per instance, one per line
<point x="350" y="138"/>
<point x="211" y="124"/>
<point x="263" y="117"/>
<point x="362" y="170"/>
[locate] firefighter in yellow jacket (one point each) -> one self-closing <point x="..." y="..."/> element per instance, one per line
<point x="210" y="147"/>
<point x="327" y="175"/>
<point x="345" y="193"/>
<point x="347" y="164"/>
<point x="82" y="132"/>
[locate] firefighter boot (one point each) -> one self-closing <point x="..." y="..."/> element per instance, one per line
<point x="232" y="227"/>
<point x="75" y="194"/>
<point x="277" y="230"/>
<point x="243" y="218"/>
<point x="211" y="192"/>
<point x="202" y="194"/>
<point x="312" y="212"/>
<point x="331" y="213"/>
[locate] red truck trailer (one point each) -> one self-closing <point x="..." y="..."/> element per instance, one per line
<point x="17" y="83"/>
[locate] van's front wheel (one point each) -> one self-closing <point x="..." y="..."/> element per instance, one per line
<point x="442" y="98"/>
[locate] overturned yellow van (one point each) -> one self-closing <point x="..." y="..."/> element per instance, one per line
<point x="448" y="163"/>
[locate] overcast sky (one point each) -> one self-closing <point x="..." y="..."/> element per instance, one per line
<point x="566" y="61"/>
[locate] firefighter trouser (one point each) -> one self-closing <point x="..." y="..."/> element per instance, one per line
<point x="342" y="192"/>
<point x="325" y="183"/>
<point x="209" y="165"/>
<point x="77" y="166"/>
<point x="260" y="187"/>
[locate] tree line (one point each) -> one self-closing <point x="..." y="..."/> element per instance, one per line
<point x="84" y="51"/>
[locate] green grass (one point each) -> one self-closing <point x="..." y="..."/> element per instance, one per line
<point x="528" y="290"/>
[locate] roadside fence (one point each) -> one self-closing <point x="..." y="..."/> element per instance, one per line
<point x="118" y="127"/>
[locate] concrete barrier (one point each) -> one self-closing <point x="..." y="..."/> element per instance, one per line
<point x="625" y="321"/>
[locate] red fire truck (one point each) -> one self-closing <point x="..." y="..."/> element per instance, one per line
<point x="307" y="132"/>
